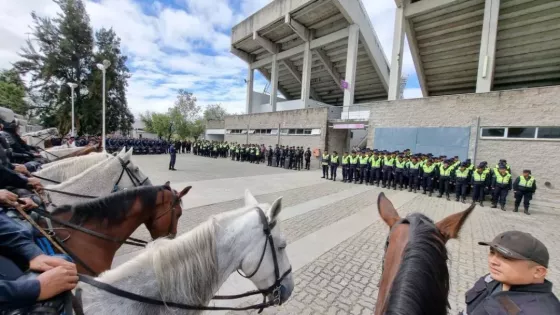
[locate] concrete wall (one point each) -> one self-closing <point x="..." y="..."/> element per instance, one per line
<point x="337" y="140"/>
<point x="516" y="108"/>
<point x="215" y="124"/>
<point x="261" y="104"/>
<point x="312" y="118"/>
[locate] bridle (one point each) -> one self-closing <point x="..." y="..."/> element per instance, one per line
<point x="274" y="290"/>
<point x="401" y="221"/>
<point x="135" y="180"/>
<point x="128" y="241"/>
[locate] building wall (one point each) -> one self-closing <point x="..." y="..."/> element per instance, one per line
<point x="312" y="118"/>
<point x="515" y="108"/>
<point x="337" y="140"/>
<point x="215" y="124"/>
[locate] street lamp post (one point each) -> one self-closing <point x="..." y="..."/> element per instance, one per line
<point x="103" y="67"/>
<point x="72" y="87"/>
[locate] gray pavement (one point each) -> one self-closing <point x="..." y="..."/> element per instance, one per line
<point x="335" y="235"/>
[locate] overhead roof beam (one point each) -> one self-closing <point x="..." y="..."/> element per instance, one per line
<point x="297" y="27"/>
<point x="248" y="58"/>
<point x="268" y="76"/>
<point x="316" y="43"/>
<point x="267" y="44"/>
<point x="417" y="8"/>
<point x="415" y="52"/>
<point x="329" y="67"/>
<point x="294" y="71"/>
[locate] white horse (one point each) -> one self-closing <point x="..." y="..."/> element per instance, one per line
<point x="99" y="180"/>
<point x="59" y="152"/>
<point x="38" y="138"/>
<point x="191" y="268"/>
<point x="70" y="167"/>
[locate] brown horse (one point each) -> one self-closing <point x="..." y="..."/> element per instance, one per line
<point x="95" y="230"/>
<point x="415" y="278"/>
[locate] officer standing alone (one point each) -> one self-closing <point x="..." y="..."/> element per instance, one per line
<point x="307" y="158"/>
<point x="524" y="187"/>
<point x="173" y="154"/>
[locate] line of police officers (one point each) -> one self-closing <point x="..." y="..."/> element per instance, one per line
<point x="429" y="173"/>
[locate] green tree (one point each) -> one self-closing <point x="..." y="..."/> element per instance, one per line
<point x="12" y="92"/>
<point x="186" y="105"/>
<point x="215" y="112"/>
<point x="160" y="124"/>
<point x="197" y="128"/>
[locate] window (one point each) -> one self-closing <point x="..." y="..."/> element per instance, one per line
<point x="237" y="131"/>
<point x="494" y="132"/>
<point x="298" y="131"/>
<point x="548" y="133"/>
<point x="521" y="132"/>
<point x="263" y="131"/>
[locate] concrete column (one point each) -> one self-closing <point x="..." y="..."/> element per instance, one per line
<point x="397" y="55"/>
<point x="351" y="60"/>
<point x="274" y="82"/>
<point x="249" y="99"/>
<point x="486" y="59"/>
<point x="306" y="75"/>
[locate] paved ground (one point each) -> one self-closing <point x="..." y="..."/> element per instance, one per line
<point x="335" y="235"/>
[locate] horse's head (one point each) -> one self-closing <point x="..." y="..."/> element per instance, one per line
<point x="165" y="218"/>
<point x="131" y="175"/>
<point x="266" y="262"/>
<point x="415" y="253"/>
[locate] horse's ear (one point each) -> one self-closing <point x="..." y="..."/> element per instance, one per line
<point x="184" y="192"/>
<point x="387" y="211"/>
<point x="450" y="226"/>
<point x="274" y="210"/>
<point x="123" y="151"/>
<point x="249" y="199"/>
<point x="129" y="154"/>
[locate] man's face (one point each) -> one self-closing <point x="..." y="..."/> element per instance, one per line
<point x="514" y="271"/>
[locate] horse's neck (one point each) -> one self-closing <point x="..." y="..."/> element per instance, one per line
<point x="70" y="167"/>
<point x="138" y="275"/>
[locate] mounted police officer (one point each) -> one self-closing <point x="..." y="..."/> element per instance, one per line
<point x="516" y="284"/>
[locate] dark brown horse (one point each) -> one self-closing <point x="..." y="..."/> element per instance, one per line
<point x="115" y="217"/>
<point x="415" y="278"/>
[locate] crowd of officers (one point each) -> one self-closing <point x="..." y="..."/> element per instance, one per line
<point x="429" y="173"/>
<point x="147" y="146"/>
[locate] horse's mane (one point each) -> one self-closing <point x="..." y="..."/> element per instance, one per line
<point x="113" y="208"/>
<point x="421" y="285"/>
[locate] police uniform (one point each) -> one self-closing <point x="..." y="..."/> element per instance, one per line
<point x="501" y="185"/>
<point x="388" y="164"/>
<point x="325" y="164"/>
<point x="444" y="174"/>
<point x="307" y="155"/>
<point x="524" y="188"/>
<point x="461" y="178"/>
<point x="375" y="170"/>
<point x="428" y="171"/>
<point x="478" y="183"/>
<point x="335" y="160"/>
<point x="400" y="168"/>
<point x="364" y="165"/>
<point x="345" y="164"/>
<point x="354" y="164"/>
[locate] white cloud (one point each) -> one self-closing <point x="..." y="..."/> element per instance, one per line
<point x="412" y="93"/>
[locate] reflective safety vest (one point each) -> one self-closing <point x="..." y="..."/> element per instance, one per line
<point x="354" y="160"/>
<point x="413" y="166"/>
<point x="445" y="172"/>
<point x="462" y="174"/>
<point x="215" y="148"/>
<point x="364" y="160"/>
<point x="526" y="183"/>
<point x="503" y="179"/>
<point x="428" y="169"/>
<point x="479" y="177"/>
<point x="326" y="159"/>
<point x="258" y="152"/>
<point x="334" y="159"/>
<point x="471" y="167"/>
<point x="389" y="161"/>
<point x="345" y="160"/>
<point x="236" y="150"/>
<point x="376" y="163"/>
<point x="400" y="164"/>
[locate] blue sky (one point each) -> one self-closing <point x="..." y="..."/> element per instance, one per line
<point x="174" y="44"/>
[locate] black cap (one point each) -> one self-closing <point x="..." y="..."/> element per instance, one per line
<point x="520" y="245"/>
<point x="527" y="171"/>
<point x="502" y="167"/>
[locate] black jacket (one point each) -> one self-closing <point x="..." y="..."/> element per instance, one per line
<point x="532" y="299"/>
<point x="531" y="189"/>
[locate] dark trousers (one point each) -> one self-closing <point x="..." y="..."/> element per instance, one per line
<point x="526" y="196"/>
<point x="374" y="175"/>
<point x="277" y="160"/>
<point x="325" y="171"/>
<point x="461" y="190"/>
<point x="427" y="183"/>
<point x="444" y="186"/>
<point x="363" y="174"/>
<point x="478" y="192"/>
<point x="334" y="167"/>
<point x="499" y="195"/>
<point x="399" y="177"/>
<point x="387" y="176"/>
<point x="172" y="161"/>
<point x="351" y="171"/>
<point x="269" y="160"/>
<point x="344" y="171"/>
<point x="307" y="162"/>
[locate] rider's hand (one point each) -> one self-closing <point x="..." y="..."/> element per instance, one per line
<point x="28" y="203"/>
<point x="45" y="263"/>
<point x="35" y="182"/>
<point x="56" y="281"/>
<point x="21" y="169"/>
<point x="8" y="197"/>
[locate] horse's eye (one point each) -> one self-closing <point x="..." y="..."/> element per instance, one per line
<point x="136" y="169"/>
<point x="282" y="247"/>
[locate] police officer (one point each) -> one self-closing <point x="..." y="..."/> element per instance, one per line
<point x="400" y="168"/>
<point x="307" y="156"/>
<point x="524" y="188"/>
<point x="375" y="169"/>
<point x="283" y="154"/>
<point x="388" y="164"/>
<point x="478" y="183"/>
<point x="173" y="154"/>
<point x="354" y="164"/>
<point x="444" y="177"/>
<point x="428" y="173"/>
<point x="300" y="158"/>
<point x="413" y="170"/>
<point x="516" y="284"/>
<point x="325" y="164"/>
<point x="364" y="164"/>
<point x="501" y="185"/>
<point x="345" y="161"/>
<point x="335" y="160"/>
<point x="269" y="155"/>
<point x="461" y="179"/>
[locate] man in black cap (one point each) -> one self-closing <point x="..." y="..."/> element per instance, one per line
<point x="307" y="156"/>
<point x="444" y="174"/>
<point x="269" y="155"/>
<point x="461" y="178"/>
<point x="516" y="284"/>
<point x="428" y="172"/>
<point x="501" y="185"/>
<point x="478" y="183"/>
<point x="524" y="187"/>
